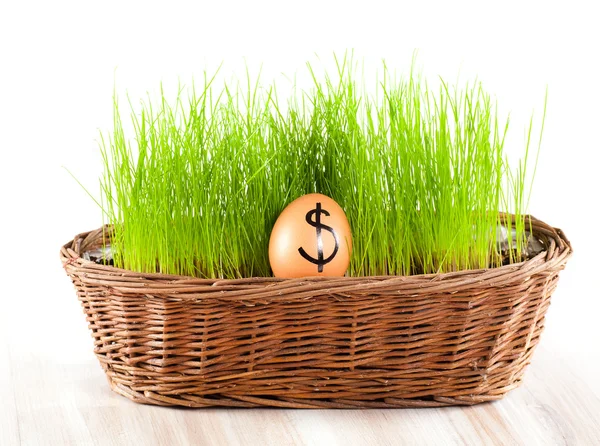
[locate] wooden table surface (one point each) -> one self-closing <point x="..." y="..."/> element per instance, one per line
<point x="53" y="391"/>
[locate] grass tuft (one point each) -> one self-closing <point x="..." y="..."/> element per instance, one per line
<point x="420" y="172"/>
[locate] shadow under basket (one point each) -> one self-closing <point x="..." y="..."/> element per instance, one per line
<point x="348" y="342"/>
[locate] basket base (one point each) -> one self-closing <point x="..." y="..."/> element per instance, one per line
<point x="193" y="401"/>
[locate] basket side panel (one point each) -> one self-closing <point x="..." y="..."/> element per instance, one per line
<point x="330" y="350"/>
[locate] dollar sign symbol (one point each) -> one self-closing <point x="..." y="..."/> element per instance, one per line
<point x="320" y="261"/>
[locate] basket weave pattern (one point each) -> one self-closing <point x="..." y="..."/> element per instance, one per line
<point x="349" y="342"/>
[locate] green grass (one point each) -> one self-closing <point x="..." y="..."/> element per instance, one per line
<point x="197" y="185"/>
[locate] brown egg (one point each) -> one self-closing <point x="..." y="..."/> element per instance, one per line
<point x="311" y="237"/>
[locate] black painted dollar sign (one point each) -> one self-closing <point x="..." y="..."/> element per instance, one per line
<point x="320" y="261"/>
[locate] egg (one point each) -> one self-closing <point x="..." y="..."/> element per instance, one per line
<point x="311" y="237"/>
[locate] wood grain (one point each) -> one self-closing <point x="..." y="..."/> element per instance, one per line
<point x="49" y="401"/>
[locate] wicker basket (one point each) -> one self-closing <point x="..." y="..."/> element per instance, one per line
<point x="350" y="342"/>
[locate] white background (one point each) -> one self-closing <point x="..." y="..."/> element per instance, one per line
<point x="60" y="60"/>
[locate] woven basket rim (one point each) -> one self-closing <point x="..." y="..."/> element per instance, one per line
<point x="558" y="249"/>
